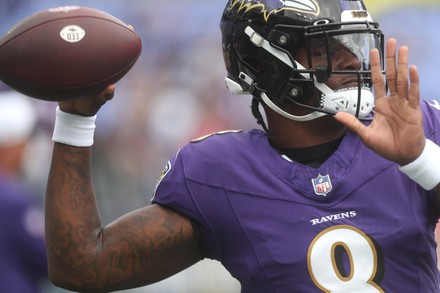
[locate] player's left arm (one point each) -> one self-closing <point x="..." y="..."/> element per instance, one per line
<point x="396" y="132"/>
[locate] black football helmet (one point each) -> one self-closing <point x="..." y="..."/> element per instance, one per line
<point x="261" y="38"/>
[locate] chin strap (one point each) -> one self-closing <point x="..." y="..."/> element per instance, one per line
<point x="345" y="100"/>
<point x="236" y="88"/>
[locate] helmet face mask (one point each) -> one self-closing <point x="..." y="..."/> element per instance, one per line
<point x="286" y="56"/>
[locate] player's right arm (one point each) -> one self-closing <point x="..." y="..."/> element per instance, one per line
<point x="139" y="248"/>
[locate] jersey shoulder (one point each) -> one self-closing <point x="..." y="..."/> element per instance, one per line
<point x="219" y="141"/>
<point x="220" y="148"/>
<point x="431" y="119"/>
<point x="218" y="159"/>
<point x="208" y="163"/>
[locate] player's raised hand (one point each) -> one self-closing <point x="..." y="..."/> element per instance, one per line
<point x="396" y="132"/>
<point x="88" y="106"/>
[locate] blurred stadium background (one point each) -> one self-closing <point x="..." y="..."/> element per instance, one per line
<point x="176" y="92"/>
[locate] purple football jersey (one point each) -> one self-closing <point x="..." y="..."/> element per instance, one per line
<point x="355" y="224"/>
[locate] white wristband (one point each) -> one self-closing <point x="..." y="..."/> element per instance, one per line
<point x="425" y="170"/>
<point x="74" y="130"/>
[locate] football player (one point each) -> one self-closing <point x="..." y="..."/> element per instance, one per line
<point x="338" y="192"/>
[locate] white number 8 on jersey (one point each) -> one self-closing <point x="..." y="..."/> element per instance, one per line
<point x="325" y="266"/>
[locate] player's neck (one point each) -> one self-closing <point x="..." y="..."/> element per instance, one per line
<point x="312" y="156"/>
<point x="293" y="134"/>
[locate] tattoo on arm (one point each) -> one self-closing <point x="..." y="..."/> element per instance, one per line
<point x="141" y="247"/>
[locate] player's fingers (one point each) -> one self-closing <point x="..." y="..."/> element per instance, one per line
<point x="109" y="92"/>
<point x="96" y="102"/>
<point x="414" y="87"/>
<point x="391" y="71"/>
<point x="104" y="96"/>
<point x="376" y="73"/>
<point x="402" y="73"/>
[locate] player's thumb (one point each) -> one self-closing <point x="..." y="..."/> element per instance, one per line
<point x="351" y="122"/>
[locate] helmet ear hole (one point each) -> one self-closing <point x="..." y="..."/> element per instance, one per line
<point x="296" y="91"/>
<point x="293" y="93"/>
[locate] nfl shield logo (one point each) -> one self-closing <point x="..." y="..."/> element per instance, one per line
<point x="322" y="184"/>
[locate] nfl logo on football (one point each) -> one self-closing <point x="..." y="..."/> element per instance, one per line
<point x="322" y="185"/>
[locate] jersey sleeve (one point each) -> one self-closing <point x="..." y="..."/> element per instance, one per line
<point x="173" y="191"/>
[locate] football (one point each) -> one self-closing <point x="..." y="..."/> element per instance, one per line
<point x="67" y="52"/>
